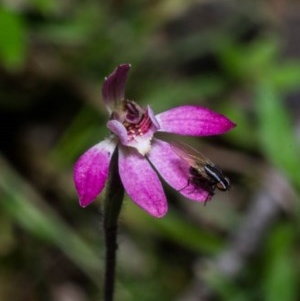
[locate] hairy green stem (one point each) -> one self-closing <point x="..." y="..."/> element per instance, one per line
<point x="112" y="207"/>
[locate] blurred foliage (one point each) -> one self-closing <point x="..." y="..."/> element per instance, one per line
<point x="13" y="39"/>
<point x="226" y="56"/>
<point x="280" y="273"/>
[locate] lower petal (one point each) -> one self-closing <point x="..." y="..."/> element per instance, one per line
<point x="174" y="170"/>
<point x="91" y="171"/>
<point x="141" y="182"/>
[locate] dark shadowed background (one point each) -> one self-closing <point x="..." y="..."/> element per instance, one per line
<point x="239" y="58"/>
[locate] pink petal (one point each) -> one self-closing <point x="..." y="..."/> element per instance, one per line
<point x="113" y="88"/>
<point x="91" y="171"/>
<point x="174" y="170"/>
<point x="193" y="121"/>
<point x="118" y="129"/>
<point x="141" y="182"/>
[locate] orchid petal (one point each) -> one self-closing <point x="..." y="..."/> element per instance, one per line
<point x="91" y="171"/>
<point x="193" y="121"/>
<point x="141" y="182"/>
<point x="113" y="88"/>
<point x="118" y="129"/>
<point x="174" y="170"/>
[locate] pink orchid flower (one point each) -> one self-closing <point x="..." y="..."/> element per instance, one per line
<point x="141" y="156"/>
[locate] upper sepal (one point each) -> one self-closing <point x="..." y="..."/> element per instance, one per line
<point x="113" y="88"/>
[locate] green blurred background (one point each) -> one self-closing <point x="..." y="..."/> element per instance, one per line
<point x="240" y="58"/>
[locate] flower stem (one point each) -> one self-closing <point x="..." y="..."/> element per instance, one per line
<point x="112" y="207"/>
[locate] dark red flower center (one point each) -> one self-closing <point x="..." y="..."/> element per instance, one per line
<point x="135" y="118"/>
<point x="138" y="128"/>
